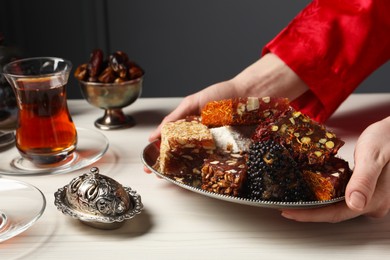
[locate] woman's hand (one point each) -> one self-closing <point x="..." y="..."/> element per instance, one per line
<point x="268" y="76"/>
<point x="368" y="191"/>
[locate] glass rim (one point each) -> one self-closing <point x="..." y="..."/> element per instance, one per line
<point x="8" y="66"/>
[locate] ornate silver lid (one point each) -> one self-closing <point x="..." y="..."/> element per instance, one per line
<point x="98" y="200"/>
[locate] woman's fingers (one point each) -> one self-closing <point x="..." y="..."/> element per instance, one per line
<point x="372" y="153"/>
<point x="334" y="213"/>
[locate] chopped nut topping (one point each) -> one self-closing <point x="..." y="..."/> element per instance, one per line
<point x="252" y="103"/>
<point x="230" y="171"/>
<point x="329" y="144"/>
<point x="310" y="132"/>
<point x="240" y="109"/>
<point x="305" y="140"/>
<point x="283" y="128"/>
<point x="322" y="140"/>
<point x="329" y="135"/>
<point x="187" y="157"/>
<point x="296" y="114"/>
<point x="336" y="174"/>
<point x="266" y="99"/>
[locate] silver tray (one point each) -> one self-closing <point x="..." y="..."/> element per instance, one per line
<point x="152" y="151"/>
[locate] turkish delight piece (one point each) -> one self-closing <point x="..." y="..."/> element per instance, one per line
<point x="234" y="139"/>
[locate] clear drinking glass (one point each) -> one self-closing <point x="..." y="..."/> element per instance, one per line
<point x="45" y="132"/>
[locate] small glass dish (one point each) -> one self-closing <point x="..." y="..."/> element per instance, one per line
<point x="21" y="205"/>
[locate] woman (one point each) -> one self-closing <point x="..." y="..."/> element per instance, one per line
<point x="317" y="61"/>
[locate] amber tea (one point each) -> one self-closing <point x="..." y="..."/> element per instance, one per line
<point x="45" y="132"/>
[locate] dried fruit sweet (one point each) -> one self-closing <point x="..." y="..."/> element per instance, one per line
<point x="258" y="148"/>
<point x="310" y="141"/>
<point x="329" y="180"/>
<point x="273" y="175"/>
<point x="243" y="111"/>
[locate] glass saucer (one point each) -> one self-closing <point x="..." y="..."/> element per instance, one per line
<point x="21" y="205"/>
<point x="91" y="146"/>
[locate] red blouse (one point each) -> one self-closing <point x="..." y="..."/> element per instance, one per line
<point x="333" y="45"/>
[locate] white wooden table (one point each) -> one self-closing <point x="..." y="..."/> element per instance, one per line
<point x="180" y="224"/>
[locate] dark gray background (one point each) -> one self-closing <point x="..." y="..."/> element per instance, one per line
<point x="182" y="45"/>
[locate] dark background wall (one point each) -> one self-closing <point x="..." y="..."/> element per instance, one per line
<point x="183" y="45"/>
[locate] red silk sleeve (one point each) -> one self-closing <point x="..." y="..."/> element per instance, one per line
<point x="333" y="45"/>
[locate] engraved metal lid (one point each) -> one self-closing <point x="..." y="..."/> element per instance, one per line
<point x="98" y="200"/>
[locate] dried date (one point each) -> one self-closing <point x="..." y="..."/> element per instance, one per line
<point x="118" y="62"/>
<point x="107" y="76"/>
<point x="135" y="71"/>
<point x="95" y="63"/>
<point x="81" y="72"/>
<point x="115" y="69"/>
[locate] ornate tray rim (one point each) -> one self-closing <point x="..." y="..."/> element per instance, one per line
<point x="151" y="152"/>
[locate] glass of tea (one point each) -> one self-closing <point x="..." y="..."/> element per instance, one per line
<point x="45" y="132"/>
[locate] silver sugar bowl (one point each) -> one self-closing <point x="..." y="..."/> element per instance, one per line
<point x="98" y="200"/>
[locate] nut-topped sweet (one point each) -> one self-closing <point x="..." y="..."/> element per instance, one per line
<point x="309" y="140"/>
<point x="184" y="145"/>
<point x="243" y="111"/>
<point x="224" y="173"/>
<point x="287" y="157"/>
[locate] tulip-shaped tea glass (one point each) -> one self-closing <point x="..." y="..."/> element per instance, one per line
<point x="45" y="132"/>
